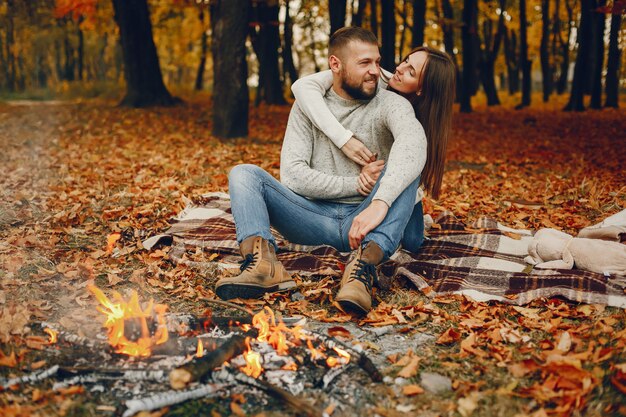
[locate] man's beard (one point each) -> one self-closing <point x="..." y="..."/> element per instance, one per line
<point x="357" y="91"/>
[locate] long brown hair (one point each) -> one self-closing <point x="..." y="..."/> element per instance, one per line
<point x="433" y="109"/>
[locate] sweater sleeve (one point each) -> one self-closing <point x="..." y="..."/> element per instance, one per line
<point x="309" y="93"/>
<point x="295" y="159"/>
<point x="408" y="152"/>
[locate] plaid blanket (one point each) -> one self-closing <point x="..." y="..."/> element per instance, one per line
<point x="483" y="260"/>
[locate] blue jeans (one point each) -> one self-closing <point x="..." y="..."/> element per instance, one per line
<point x="258" y="200"/>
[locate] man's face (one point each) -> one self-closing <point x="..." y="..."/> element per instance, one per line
<point x="360" y="70"/>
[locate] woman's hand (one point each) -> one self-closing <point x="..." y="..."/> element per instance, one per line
<point x="369" y="175"/>
<point x="366" y="221"/>
<point x="357" y="151"/>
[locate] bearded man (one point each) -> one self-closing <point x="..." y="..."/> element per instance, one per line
<point x="319" y="199"/>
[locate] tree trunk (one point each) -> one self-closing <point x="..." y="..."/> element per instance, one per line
<point x="576" y="100"/>
<point x="556" y="40"/>
<point x="9" y="46"/>
<point x="419" y="22"/>
<point x="374" y="17"/>
<point x="337" y="12"/>
<point x="612" y="70"/>
<point x="448" y="41"/>
<point x="144" y="81"/>
<point x="546" y="70"/>
<point x="80" y="54"/>
<point x="388" y="30"/>
<point x="229" y="20"/>
<point x="490" y="54"/>
<point x="267" y="44"/>
<point x="288" y="65"/>
<point x="357" y="12"/>
<point x="468" y="33"/>
<point x="3" y="64"/>
<point x="525" y="63"/>
<point x="598" y="55"/>
<point x="69" y="63"/>
<point x="204" y="47"/>
<point x="561" y="86"/>
<point x="511" y="59"/>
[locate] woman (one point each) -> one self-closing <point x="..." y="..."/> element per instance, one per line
<point x="426" y="78"/>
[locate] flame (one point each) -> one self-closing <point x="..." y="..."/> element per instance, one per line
<point x="315" y="353"/>
<point x="253" y="366"/>
<point x="291" y="366"/>
<point x="119" y="312"/>
<point x="53" y="335"/>
<point x="200" y="349"/>
<point x="344" y="357"/>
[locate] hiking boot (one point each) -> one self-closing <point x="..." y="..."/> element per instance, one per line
<point x="261" y="272"/>
<point x="355" y="293"/>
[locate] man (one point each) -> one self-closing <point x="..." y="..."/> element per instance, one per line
<point x="320" y="199"/>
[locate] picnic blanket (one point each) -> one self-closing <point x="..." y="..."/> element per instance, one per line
<point x="483" y="260"/>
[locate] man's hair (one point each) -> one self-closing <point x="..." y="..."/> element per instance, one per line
<point x="342" y="37"/>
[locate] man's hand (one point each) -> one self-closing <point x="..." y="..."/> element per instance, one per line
<point x="366" y="221"/>
<point x="357" y="151"/>
<point x="369" y="175"/>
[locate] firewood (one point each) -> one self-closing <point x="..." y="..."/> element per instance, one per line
<point x="198" y="368"/>
<point x="362" y="359"/>
<point x="301" y="407"/>
<point x="164" y="399"/>
<point x="32" y="377"/>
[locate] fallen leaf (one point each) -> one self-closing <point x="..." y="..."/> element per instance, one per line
<point x="410" y="370"/>
<point x="449" y="336"/>
<point x="412" y="389"/>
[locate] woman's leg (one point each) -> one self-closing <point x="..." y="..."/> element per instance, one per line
<point x="414" y="232"/>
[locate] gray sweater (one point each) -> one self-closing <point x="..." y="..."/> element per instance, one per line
<point x="311" y="165"/>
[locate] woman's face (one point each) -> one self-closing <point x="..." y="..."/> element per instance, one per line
<point x="408" y="76"/>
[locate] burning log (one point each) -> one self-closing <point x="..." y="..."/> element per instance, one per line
<point x="363" y="361"/>
<point x="200" y="367"/>
<point x="33" y="377"/>
<point x="168" y="398"/>
<point x="63" y="336"/>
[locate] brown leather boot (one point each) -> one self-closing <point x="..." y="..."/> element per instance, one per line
<point x="261" y="272"/>
<point x="355" y="294"/>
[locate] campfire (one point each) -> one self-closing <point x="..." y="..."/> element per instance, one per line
<point x="198" y="356"/>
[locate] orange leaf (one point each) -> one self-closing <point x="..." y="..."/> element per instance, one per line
<point x="10" y="361"/>
<point x="410" y="369"/>
<point x="449" y="336"/>
<point x="412" y="389"/>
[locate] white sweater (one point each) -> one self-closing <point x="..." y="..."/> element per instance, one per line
<point x="309" y="93"/>
<point x="313" y="165"/>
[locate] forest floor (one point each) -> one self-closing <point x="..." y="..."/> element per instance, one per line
<point x="75" y="172"/>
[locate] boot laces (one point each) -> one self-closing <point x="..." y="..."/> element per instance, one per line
<point x="248" y="261"/>
<point x="366" y="273"/>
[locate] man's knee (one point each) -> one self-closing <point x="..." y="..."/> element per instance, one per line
<point x="244" y="173"/>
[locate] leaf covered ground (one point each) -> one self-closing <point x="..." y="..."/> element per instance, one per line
<point x="76" y="173"/>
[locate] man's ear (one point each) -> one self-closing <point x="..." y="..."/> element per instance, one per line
<point x="334" y="63"/>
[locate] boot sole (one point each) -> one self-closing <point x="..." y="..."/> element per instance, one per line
<point x="230" y="291"/>
<point x="352" y="307"/>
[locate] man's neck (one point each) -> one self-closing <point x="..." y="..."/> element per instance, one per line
<point x="340" y="91"/>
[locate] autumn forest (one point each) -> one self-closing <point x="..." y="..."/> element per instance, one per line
<point x="120" y="122"/>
